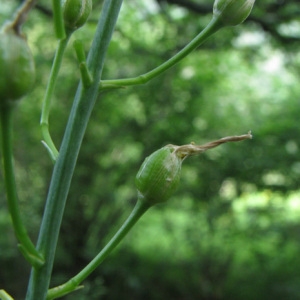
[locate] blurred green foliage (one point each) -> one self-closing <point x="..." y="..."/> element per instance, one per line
<point x="232" y="230"/>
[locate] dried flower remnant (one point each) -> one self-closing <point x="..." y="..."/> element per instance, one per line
<point x="192" y="149"/>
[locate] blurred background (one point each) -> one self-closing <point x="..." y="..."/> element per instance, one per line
<point x="232" y="229"/>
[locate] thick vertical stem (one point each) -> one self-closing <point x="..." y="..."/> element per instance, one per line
<point x="65" y="165"/>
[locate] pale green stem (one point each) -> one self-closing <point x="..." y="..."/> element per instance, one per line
<point x="73" y="284"/>
<point x="26" y="246"/>
<point x="44" y="123"/>
<point x="209" y="30"/>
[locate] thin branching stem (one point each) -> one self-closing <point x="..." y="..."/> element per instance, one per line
<point x="44" y="123"/>
<point x="209" y="30"/>
<point x="26" y="246"/>
<point x="73" y="284"/>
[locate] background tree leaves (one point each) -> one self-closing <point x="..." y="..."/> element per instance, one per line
<point x="232" y="229"/>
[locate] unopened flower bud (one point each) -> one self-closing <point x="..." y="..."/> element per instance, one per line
<point x="76" y="12"/>
<point x="232" y="12"/>
<point x="159" y="174"/>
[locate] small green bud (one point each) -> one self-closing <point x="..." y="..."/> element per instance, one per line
<point x="17" y="72"/>
<point x="232" y="12"/>
<point x="159" y="174"/>
<point x="76" y="12"/>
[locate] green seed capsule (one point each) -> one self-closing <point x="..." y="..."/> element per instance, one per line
<point x="17" y="72"/>
<point x="232" y="12"/>
<point x="76" y="12"/>
<point x="159" y="176"/>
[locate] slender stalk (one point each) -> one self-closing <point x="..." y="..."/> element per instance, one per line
<point x="26" y="246"/>
<point x="209" y="30"/>
<point x="71" y="285"/>
<point x="44" y="123"/>
<point x="59" y="26"/>
<point x="66" y="161"/>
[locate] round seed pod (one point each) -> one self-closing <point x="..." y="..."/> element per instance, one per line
<point x="17" y="72"/>
<point x="159" y="176"/>
<point x="76" y="12"/>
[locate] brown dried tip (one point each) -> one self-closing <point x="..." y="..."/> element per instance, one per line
<point x="20" y="17"/>
<point x="192" y="149"/>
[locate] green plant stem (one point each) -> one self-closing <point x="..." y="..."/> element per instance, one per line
<point x="84" y="71"/>
<point x="59" y="26"/>
<point x="64" y="167"/>
<point x="44" y="123"/>
<point x="209" y="30"/>
<point x="71" y="285"/>
<point x="26" y="246"/>
<point x="5" y="296"/>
